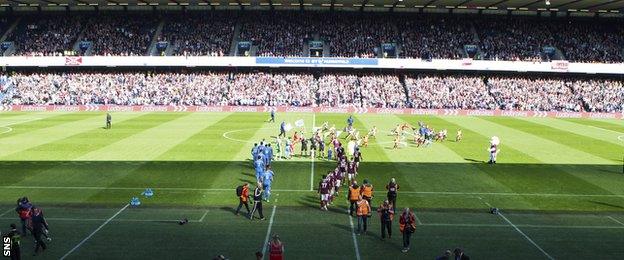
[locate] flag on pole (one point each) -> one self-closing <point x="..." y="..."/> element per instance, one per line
<point x="299" y="123"/>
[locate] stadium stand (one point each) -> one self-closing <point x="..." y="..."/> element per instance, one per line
<point x="210" y="34"/>
<point x="308" y="89"/>
<point x="352" y="34"/>
<point x="121" y="35"/>
<point x="47" y="36"/>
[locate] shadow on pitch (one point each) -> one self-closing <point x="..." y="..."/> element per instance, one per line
<point x="606" y="204"/>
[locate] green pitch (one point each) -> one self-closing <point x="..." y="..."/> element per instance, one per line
<point x="558" y="182"/>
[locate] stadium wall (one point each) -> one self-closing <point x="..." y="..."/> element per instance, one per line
<point x="282" y="109"/>
<point x="300" y="62"/>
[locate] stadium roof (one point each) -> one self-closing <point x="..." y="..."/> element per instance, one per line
<point x="603" y="6"/>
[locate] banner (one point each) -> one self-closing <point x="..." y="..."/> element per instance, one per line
<point x="300" y="122"/>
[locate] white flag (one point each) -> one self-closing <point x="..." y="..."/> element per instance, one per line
<point x="288" y="127"/>
<point x="299" y="123"/>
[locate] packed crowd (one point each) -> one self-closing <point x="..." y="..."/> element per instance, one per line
<point x="351" y="34"/>
<point x="47" y="36"/>
<point x="306" y="89"/>
<point x="358" y="35"/>
<point x="121" y="35"/>
<point x="514" y="93"/>
<point x="507" y="39"/>
<point x="280" y="34"/>
<point x="451" y="92"/>
<point x="589" y="41"/>
<point x="211" y="34"/>
<point x="434" y="37"/>
<point x="600" y="95"/>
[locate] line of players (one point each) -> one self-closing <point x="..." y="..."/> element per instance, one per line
<point x="423" y="134"/>
<point x="330" y="183"/>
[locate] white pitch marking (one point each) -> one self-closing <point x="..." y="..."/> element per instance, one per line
<point x="519" y="231"/>
<point x="268" y="234"/>
<point x="525" y="236"/>
<point x="424" y="224"/>
<point x="93" y="233"/>
<point x="225" y="135"/>
<point x="287" y="190"/>
<point x="203" y="216"/>
<point x="615" y="220"/>
<point x="6" y="212"/>
<point x="621" y="138"/>
<point x="355" y="243"/>
<point x="9" y="129"/>
<point x="313" y="155"/>
<point x="606" y="129"/>
<point x="417" y="219"/>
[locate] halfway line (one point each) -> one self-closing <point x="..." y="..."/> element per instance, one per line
<point x="266" y="238"/>
<point x="313" y="155"/>
<point x="93" y="233"/>
<point x="355" y="244"/>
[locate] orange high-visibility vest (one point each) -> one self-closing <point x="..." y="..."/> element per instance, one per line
<point x="367" y="191"/>
<point x="354" y="193"/>
<point x="362" y="208"/>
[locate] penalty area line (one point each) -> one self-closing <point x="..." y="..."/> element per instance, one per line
<point x="93" y="233"/>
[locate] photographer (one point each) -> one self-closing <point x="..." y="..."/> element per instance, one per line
<point x="407" y="225"/>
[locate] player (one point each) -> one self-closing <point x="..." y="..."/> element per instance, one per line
<point x="260" y="166"/>
<point x="304" y="147"/>
<point x="287" y="149"/>
<point x="324" y="193"/>
<point x="266" y="183"/>
<point x="321" y="145"/>
<point x="338" y="176"/>
<point x="325" y="127"/>
<point x="365" y="141"/>
<point x="272" y="119"/>
<point x="254" y="151"/>
<point x="312" y="146"/>
<point x="351" y="147"/>
<point x="109" y="120"/>
<point x="459" y="135"/>
<point x="397" y="140"/>
<point x="350" y="121"/>
<point x="351" y="171"/>
<point x="357" y="157"/>
<point x="373" y="132"/>
<point x="442" y="135"/>
<point x="282" y="129"/>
